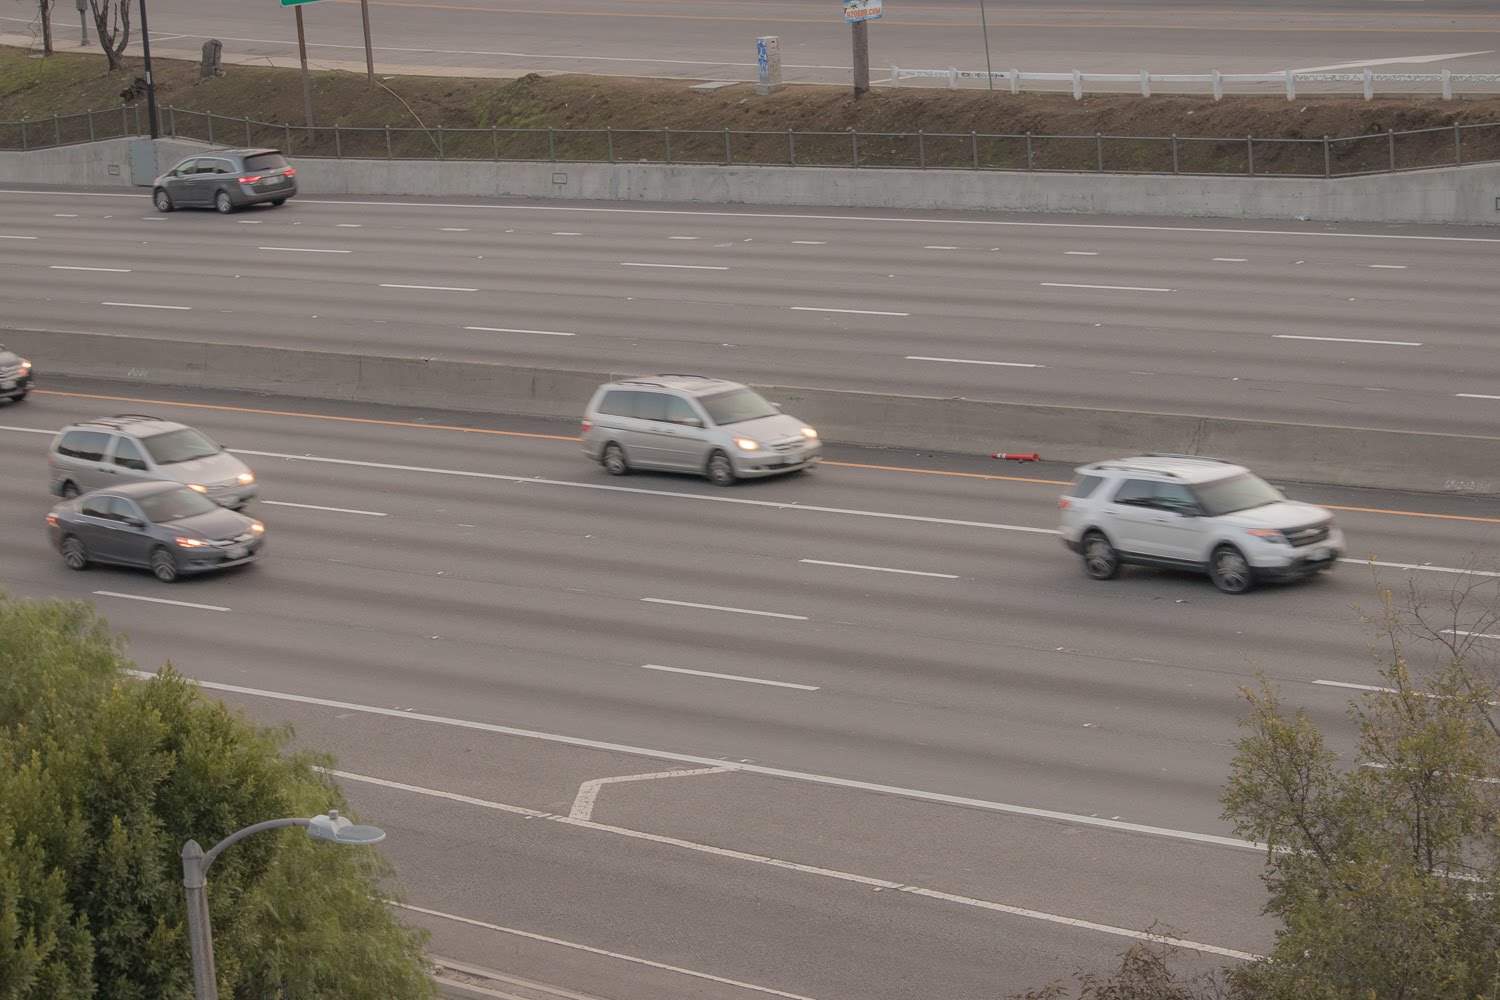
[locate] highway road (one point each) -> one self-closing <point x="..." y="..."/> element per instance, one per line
<point x="1386" y="327"/>
<point x="715" y="39"/>
<point x="894" y="743"/>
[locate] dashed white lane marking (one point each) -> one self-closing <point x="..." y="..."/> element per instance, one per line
<point x="452" y="229"/>
<point x="430" y="288"/>
<point x="1389" y="267"/>
<point x="1231" y="260"/>
<point x="75" y="267"/>
<point x="143" y="305"/>
<point x="940" y="248"/>
<point x="313" y="506"/>
<point x="588" y="792"/>
<point x="349" y="225"/>
<point x="1107" y="288"/>
<point x="1472" y="635"/>
<point x="248" y="222"/>
<point x="64" y="215"/>
<point x="854" y="312"/>
<point x="730" y="677"/>
<point x="1349" y="340"/>
<point x="160" y="600"/>
<point x="828" y="873"/>
<point x="1352" y="687"/>
<point x="683" y="237"/>
<point x="1474" y="395"/>
<point x="720" y="607"/>
<point x="1081" y="253"/>
<point x="506" y="329"/>
<point x="809" y="243"/>
<point x="303" y="250"/>
<point x="878" y="569"/>
<point x="1423" y="566"/>
<point x="967" y="361"/>
<point x="680" y="267"/>
<point x="567" y="234"/>
<point x="153" y="218"/>
<point x="771" y="772"/>
<point x="4" y="237"/>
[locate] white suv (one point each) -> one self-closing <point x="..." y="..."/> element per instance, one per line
<point x="1203" y="514"/>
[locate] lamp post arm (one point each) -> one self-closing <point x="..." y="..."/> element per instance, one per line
<point x="234" y="838"/>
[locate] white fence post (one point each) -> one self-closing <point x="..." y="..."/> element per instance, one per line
<point x="1015" y="81"/>
<point x="1077" y="85"/>
<point x="1145" y="84"/>
<point x="895" y="76"/>
<point x="1369" y="84"/>
<point x="1447" y="85"/>
<point x="1218" y="82"/>
<point x="1291" y="86"/>
<point x="952" y="77"/>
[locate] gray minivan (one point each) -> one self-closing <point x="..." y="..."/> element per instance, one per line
<point x="134" y="447"/>
<point x="690" y="423"/>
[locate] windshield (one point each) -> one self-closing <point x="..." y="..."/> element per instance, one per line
<point x="174" y="505"/>
<point x="736" y="405"/>
<point x="179" y="446"/>
<point x="1241" y="492"/>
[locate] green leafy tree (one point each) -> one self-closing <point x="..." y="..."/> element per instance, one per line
<point x="103" y="777"/>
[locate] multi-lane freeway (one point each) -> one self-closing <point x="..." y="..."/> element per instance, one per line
<point x="920" y="753"/>
<point x="1386" y="327"/>
<point x="715" y="39"/>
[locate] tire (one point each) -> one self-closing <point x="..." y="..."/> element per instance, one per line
<point x="1100" y="560"/>
<point x="1230" y="570"/>
<point x="164" y="565"/>
<point x="277" y="202"/>
<point x="74" y="553"/>
<point x="222" y="203"/>
<point x="720" y="470"/>
<point x="163" y="200"/>
<point x="69" y="490"/>
<point x="20" y="395"/>
<point x="614" y="460"/>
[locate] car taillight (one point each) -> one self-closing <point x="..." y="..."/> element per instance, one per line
<point x="1063" y="503"/>
<point x="588" y="425"/>
<point x="250" y="180"/>
<point x="52" y="520"/>
<point x="290" y="171"/>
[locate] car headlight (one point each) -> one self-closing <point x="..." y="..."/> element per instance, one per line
<point x="256" y="528"/>
<point x="809" y="433"/>
<point x="1268" y="534"/>
<point x="190" y="543"/>
<point x="247" y="478"/>
<point x="26" y="366"/>
<point x="197" y="488"/>
<point x="747" y="444"/>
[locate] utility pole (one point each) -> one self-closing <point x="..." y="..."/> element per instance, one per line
<point x="150" y="86"/>
<point x="364" y="13"/>
<point x="861" y="33"/>
<point x="989" y="71"/>
<point x="306" y="81"/>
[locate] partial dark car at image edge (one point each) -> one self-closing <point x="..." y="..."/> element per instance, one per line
<point x="15" y="375"/>
<point x="226" y="180"/>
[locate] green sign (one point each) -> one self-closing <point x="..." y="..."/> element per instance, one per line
<point x="293" y="3"/>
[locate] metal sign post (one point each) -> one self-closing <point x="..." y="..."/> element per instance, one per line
<point x="364" y="13"/>
<point x="858" y="14"/>
<point x="302" y="54"/>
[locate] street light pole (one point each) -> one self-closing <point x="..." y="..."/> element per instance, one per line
<point x="150" y="86"/>
<point x="195" y="864"/>
<point x="989" y="71"/>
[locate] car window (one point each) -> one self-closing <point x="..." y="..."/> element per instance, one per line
<point x="185" y="167"/>
<point x="222" y="166"/>
<point x="736" y="405"/>
<point x="651" y="405"/>
<point x="619" y="403"/>
<point x="1136" y="493"/>
<point x="680" y="411"/>
<point x="179" y="446"/>
<point x="1240" y="492"/>
<point x="266" y="161"/>
<point x="1085" y="485"/>
<point x="86" y="445"/>
<point x="128" y="455"/>
<point x="98" y="507"/>
<point x="121" y="509"/>
<point x="1174" y="497"/>
<point x="173" y="505"/>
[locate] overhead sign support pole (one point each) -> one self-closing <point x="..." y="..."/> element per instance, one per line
<point x="858" y="13"/>
<point x="306" y="80"/>
<point x="364" y="11"/>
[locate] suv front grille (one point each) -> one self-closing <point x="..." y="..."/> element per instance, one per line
<point x="1309" y="534"/>
<point x="786" y="446"/>
<point x="12" y="372"/>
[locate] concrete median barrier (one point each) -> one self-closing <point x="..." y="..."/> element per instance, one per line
<point x="1347" y="456"/>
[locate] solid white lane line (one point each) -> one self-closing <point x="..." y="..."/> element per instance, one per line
<point x="160" y="600"/>
<point x="588" y="792"/>
<point x="878" y="569"/>
<point x="967" y="361"/>
<point x="729" y="677"/>
<point x="1422" y="566"/>
<point x="1474" y="395"/>
<point x="772" y="772"/>
<point x="720" y="607"/>
<point x="758" y="859"/>
<point x="313" y="506"/>
<point x="430" y="288"/>
<point x="1390" y="267"/>
<point x="143" y="305"/>
<point x="1109" y="288"/>
<point x="1472" y="635"/>
<point x="506" y="329"/>
<point x="853" y="312"/>
<point x="1349" y="340"/>
<point x="1231" y="260"/>
<point x="1444" y="57"/>
<point x="303" y="250"/>
<point x="680" y="267"/>
<point x="1354" y="687"/>
<point x="74" y="267"/>
<point x="809" y="243"/>
<point x="1081" y="253"/>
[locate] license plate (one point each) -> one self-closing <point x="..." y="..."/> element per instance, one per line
<point x="8" y="384"/>
<point x="276" y="180"/>
<point x="239" y="552"/>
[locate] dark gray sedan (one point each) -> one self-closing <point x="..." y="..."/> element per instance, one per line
<point x="226" y="179"/>
<point x="15" y="375"/>
<point x="164" y="527"/>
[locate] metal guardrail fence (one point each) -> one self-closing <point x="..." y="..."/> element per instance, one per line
<point x="1215" y="81"/>
<point x="1383" y="152"/>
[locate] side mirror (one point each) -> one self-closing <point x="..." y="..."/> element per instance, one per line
<point x="134" y="522"/>
<point x="692" y="422"/>
<point x="778" y="406"/>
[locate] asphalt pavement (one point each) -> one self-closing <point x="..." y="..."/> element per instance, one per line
<point x="715" y="39"/>
<point x="1366" y="326"/>
<point x="885" y="739"/>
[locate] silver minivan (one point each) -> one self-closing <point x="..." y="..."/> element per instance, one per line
<point x="690" y="423"/>
<point x="134" y="447"/>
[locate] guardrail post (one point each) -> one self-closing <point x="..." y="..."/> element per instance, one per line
<point x="442" y="153"/>
<point x="1327" y="158"/>
<point x="247" y="130"/>
<point x="388" y="155"/>
<point x="1145" y="84"/>
<point x="1015" y="81"/>
<point x="172" y="120"/>
<point x="1250" y="155"/>
<point x="56" y="130"/>
<point x="609" y="143"/>
<point x="1174" y="152"/>
<point x="1218" y="81"/>
<point x="791" y="148"/>
<point x="854" y="138"/>
<point x="1369" y="84"/>
<point x="1099" y="146"/>
<point x="288" y="142"/>
<point x="921" y="150"/>
<point x="552" y="145"/>
<point x="1458" y="147"/>
<point x="1391" y="140"/>
<point x="24" y="145"/>
<point x="728" y="153"/>
<point x="1447" y="84"/>
<point x="1028" y="151"/>
<point x="494" y="143"/>
<point x="1291" y="86"/>
<point x="91" y="124"/>
<point x="974" y="142"/>
<point x="1077" y="85"/>
<point x="668" y="132"/>
<point x="210" y="128"/>
<point x="338" y="142"/>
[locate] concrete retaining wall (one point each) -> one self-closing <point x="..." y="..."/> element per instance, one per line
<point x="1339" y="455"/>
<point x="1451" y="195"/>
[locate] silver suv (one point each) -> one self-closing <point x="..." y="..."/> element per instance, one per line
<point x="133" y="447"/>
<point x="1193" y="513"/>
<point x="691" y="423"/>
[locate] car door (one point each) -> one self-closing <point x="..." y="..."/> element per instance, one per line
<point x="179" y="183"/>
<point x="1175" y="529"/>
<point x="133" y="538"/>
<point x="84" y="455"/>
<point x="662" y="441"/>
<point x="128" y="462"/>
<point x="691" y="440"/>
<point x="1131" y="516"/>
<point x="96" y="525"/>
<point x="213" y="174"/>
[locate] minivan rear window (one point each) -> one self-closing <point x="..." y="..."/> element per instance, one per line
<point x="86" y="445"/>
<point x="619" y="403"/>
<point x="266" y="161"/>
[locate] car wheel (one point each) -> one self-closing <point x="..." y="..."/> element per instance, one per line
<point x="74" y="553"/>
<point x="164" y="565"/>
<point x="21" y="395"/>
<point x="721" y="470"/>
<point x="614" y="460"/>
<point x="1100" y="560"/>
<point x="277" y="202"/>
<point x="163" y="200"/>
<point x="222" y="203"/>
<point x="69" y="490"/>
<point x="1230" y="570"/>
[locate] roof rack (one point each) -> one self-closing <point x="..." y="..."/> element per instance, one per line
<point x="706" y="378"/>
<point x="1193" y="458"/>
